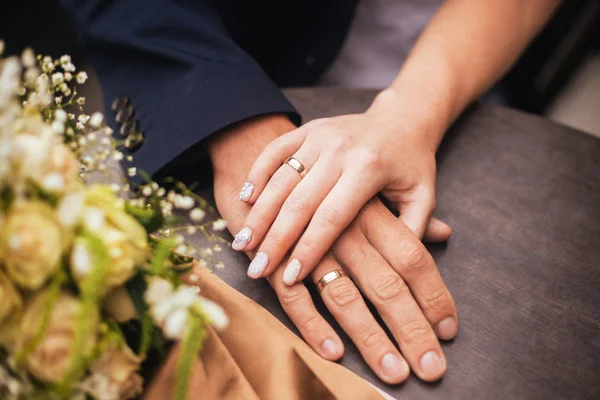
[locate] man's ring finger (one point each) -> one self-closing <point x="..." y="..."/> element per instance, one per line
<point x="328" y="278"/>
<point x="297" y="165"/>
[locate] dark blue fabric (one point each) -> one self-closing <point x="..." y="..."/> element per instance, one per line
<point x="186" y="77"/>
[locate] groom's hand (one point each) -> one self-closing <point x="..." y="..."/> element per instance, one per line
<point x="384" y="273"/>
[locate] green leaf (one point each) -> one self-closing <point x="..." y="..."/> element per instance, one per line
<point x="190" y="346"/>
<point x="136" y="288"/>
<point x="162" y="252"/>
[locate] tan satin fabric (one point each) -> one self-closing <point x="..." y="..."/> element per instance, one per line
<point x="257" y="357"/>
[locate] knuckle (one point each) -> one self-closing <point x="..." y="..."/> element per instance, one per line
<point x="414" y="257"/>
<point x="387" y="286"/>
<point x="438" y="300"/>
<point x="274" y="240"/>
<point x="414" y="332"/>
<point x="309" y="325"/>
<point x="297" y="204"/>
<point x="306" y="246"/>
<point x="328" y="216"/>
<point x="369" y="157"/>
<point x="292" y="296"/>
<point x="373" y="340"/>
<point x="343" y="292"/>
<point x="278" y="181"/>
<point x="343" y="143"/>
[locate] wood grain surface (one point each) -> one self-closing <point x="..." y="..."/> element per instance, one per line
<point x="523" y="197"/>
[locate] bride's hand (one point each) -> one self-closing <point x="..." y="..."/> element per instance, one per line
<point x="347" y="161"/>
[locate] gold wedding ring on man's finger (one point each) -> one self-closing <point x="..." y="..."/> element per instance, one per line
<point x="328" y="278"/>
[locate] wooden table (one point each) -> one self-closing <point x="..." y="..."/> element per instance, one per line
<point x="523" y="197"/>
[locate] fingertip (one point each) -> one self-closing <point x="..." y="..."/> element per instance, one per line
<point x="246" y="192"/>
<point x="332" y="349"/>
<point x="447" y="329"/>
<point x="394" y="369"/>
<point x="437" y="231"/>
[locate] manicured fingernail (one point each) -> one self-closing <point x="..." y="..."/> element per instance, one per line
<point x="242" y="239"/>
<point x="292" y="270"/>
<point x="447" y="328"/>
<point x="246" y="191"/>
<point x="258" y="265"/>
<point x="329" y="348"/>
<point x="432" y="365"/>
<point x="393" y="367"/>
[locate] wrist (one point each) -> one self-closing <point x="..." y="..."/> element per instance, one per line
<point x="400" y="109"/>
<point x="233" y="150"/>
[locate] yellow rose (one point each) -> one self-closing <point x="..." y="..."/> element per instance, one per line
<point x="51" y="360"/>
<point x="10" y="299"/>
<point x="31" y="243"/>
<point x="120" y="366"/>
<point x="125" y="239"/>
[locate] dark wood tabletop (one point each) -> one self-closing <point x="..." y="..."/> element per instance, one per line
<point x="523" y="197"/>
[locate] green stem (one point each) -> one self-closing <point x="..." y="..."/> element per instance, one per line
<point x="191" y="345"/>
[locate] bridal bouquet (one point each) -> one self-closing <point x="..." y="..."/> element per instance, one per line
<point x="89" y="272"/>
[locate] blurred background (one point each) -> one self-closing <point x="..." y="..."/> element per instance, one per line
<point x="558" y="76"/>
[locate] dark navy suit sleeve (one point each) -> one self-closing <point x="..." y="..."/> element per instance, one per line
<point x="184" y="76"/>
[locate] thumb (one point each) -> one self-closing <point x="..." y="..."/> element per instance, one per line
<point x="437" y="231"/>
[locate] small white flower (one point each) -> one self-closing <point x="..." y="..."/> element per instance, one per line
<point x="79" y="126"/>
<point x="158" y="290"/>
<point x="66" y="59"/>
<point x="96" y="119"/>
<point x="58" y="100"/>
<point x="69" y="67"/>
<point x="81" y="101"/>
<point x="68" y="76"/>
<point x="147" y="191"/>
<point x="57" y="78"/>
<point x="117" y="156"/>
<point x="60" y="115"/>
<point x="63" y="87"/>
<point x="219" y="225"/>
<point x="176" y="324"/>
<point x="81" y="260"/>
<point x="197" y="215"/>
<point x="215" y="312"/>
<point x="53" y="182"/>
<point x="82" y="77"/>
<point x="132" y="171"/>
<point x="58" y="127"/>
<point x="28" y="58"/>
<point x="69" y="209"/>
<point x="93" y="219"/>
<point x="83" y="118"/>
<point x="183" y="202"/>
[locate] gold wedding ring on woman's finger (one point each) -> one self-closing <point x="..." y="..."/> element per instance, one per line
<point x="297" y="165"/>
<point x="328" y="278"/>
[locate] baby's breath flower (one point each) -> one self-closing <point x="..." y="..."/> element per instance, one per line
<point x="117" y="156"/>
<point x="129" y="158"/>
<point x="58" y="127"/>
<point x="132" y="171"/>
<point x="81" y="101"/>
<point x="161" y="192"/>
<point x="58" y="100"/>
<point x="83" y="118"/>
<point x="191" y="230"/>
<point x="60" y="115"/>
<point x="147" y="191"/>
<point x="96" y="119"/>
<point x="69" y="67"/>
<point x="68" y="76"/>
<point x="197" y="215"/>
<point x="66" y="59"/>
<point x="63" y="87"/>
<point x="219" y="225"/>
<point x="183" y="202"/>
<point x="79" y="126"/>
<point x="28" y="58"/>
<point x="82" y="77"/>
<point x="57" y="78"/>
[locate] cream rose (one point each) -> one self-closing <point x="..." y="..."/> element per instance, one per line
<point x="125" y="239"/>
<point x="120" y="367"/>
<point x="118" y="305"/>
<point x="49" y="164"/>
<point x="31" y="243"/>
<point x="51" y="360"/>
<point x="10" y="299"/>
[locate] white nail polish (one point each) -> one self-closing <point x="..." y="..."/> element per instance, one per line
<point x="258" y="265"/>
<point x="292" y="271"/>
<point x="242" y="239"/>
<point x="246" y="191"/>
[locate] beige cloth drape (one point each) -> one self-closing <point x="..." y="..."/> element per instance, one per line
<point x="257" y="357"/>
